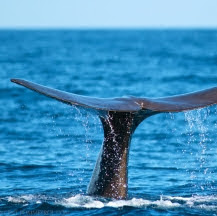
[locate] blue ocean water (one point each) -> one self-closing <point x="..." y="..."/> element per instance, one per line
<point x="48" y="149"/>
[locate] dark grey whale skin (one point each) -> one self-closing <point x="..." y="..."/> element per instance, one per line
<point x="120" y="117"/>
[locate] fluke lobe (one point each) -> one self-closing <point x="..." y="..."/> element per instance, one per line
<point x="120" y="117"/>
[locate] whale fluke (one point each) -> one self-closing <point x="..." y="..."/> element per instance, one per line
<point x="116" y="104"/>
<point x="120" y="117"/>
<point x="178" y="103"/>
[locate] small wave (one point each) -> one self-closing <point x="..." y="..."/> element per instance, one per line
<point x="204" y="203"/>
<point x="20" y="199"/>
<point x="194" y="198"/>
<point x="81" y="201"/>
<point x="207" y="203"/>
<point x="25" y="199"/>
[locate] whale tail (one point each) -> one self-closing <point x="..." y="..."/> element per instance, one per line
<point x="178" y="103"/>
<point x="120" y="117"/>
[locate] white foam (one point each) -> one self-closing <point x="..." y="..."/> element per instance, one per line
<point x="16" y="199"/>
<point x="178" y="198"/>
<point x="197" y="199"/>
<point x="28" y="197"/>
<point x="165" y="204"/>
<point x="80" y="201"/>
<point x="207" y="203"/>
<point x="24" y="199"/>
<point x="133" y="203"/>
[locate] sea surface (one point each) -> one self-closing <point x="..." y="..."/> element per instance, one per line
<point x="48" y="150"/>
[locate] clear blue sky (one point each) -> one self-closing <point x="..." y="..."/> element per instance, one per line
<point x="107" y="13"/>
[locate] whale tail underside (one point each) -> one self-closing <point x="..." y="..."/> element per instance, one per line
<point x="120" y="117"/>
<point x="178" y="103"/>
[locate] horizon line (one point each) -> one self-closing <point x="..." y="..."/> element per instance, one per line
<point x="108" y="28"/>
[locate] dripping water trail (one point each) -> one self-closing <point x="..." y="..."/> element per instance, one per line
<point x="197" y="147"/>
